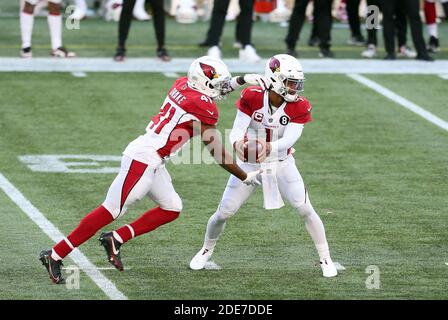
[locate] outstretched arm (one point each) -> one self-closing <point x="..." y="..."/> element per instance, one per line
<point x="211" y="138"/>
<point x="251" y="79"/>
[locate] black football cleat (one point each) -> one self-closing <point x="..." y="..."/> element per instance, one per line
<point x="326" y="53"/>
<point x="425" y="57"/>
<point x="163" y="55"/>
<point x="292" y="52"/>
<point x="120" y="54"/>
<point x="112" y="248"/>
<point x="433" y="45"/>
<point x="53" y="266"/>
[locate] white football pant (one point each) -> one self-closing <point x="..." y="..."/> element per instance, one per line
<point x="292" y="189"/>
<point x="137" y="180"/>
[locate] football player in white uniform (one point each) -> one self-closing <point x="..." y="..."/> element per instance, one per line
<point x="276" y="119"/>
<point x="54" y="24"/>
<point x="190" y="101"/>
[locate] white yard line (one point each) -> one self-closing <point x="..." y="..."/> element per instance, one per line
<point x="211" y="265"/>
<point x="180" y="65"/>
<point x="50" y="230"/>
<point x="97" y="268"/>
<point x="443" y="76"/>
<point x="339" y="266"/>
<point x="400" y="100"/>
<point x="171" y="74"/>
<point x="79" y="74"/>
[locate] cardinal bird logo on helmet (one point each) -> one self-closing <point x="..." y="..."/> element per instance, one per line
<point x="209" y="71"/>
<point x="274" y="65"/>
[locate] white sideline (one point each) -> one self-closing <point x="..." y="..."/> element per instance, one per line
<point x="79" y="74"/>
<point x="50" y="230"/>
<point x="400" y="100"/>
<point x="180" y="65"/>
<point x="171" y="74"/>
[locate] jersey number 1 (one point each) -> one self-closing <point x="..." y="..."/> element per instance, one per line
<point x="167" y="109"/>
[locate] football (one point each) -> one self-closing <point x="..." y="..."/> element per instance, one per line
<point x="252" y="150"/>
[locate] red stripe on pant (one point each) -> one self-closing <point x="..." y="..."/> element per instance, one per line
<point x="136" y="170"/>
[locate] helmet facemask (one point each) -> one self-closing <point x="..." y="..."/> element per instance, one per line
<point x="290" y="88"/>
<point x="210" y="76"/>
<point x="221" y="86"/>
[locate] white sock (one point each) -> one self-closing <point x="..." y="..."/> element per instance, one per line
<point x="26" y="28"/>
<point x="316" y="229"/>
<point x="432" y="30"/>
<point x="215" y="227"/>
<point x="55" y="26"/>
<point x="55" y="256"/>
<point x="117" y="236"/>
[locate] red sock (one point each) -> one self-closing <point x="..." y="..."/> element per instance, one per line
<point x="430" y="12"/>
<point x="149" y="221"/>
<point x="88" y="226"/>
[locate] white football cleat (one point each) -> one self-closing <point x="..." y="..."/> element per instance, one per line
<point x="139" y="11"/>
<point x="61" y="52"/>
<point x="78" y="14"/>
<point x="370" y="52"/>
<point x="214" y="52"/>
<point x="407" y="52"/>
<point x="237" y="45"/>
<point x="200" y="259"/>
<point x="249" y="54"/>
<point x="328" y="268"/>
<point x="80" y="11"/>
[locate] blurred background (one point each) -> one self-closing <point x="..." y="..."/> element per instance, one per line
<point x="187" y="23"/>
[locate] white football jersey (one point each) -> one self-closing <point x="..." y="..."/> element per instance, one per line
<point x="270" y="127"/>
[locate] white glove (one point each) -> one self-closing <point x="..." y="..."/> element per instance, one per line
<point x="257" y="80"/>
<point x="253" y="178"/>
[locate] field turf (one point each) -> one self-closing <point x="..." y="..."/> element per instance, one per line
<point x="376" y="173"/>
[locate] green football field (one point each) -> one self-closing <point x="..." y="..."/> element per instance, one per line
<point x="376" y="172"/>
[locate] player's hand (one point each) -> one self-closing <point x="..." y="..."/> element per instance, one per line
<point x="257" y="80"/>
<point x="265" y="151"/>
<point x="239" y="149"/>
<point x="253" y="178"/>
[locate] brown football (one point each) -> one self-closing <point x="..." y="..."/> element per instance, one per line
<point x="252" y="150"/>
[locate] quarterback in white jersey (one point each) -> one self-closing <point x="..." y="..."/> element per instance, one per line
<point x="190" y="100"/>
<point x="275" y="118"/>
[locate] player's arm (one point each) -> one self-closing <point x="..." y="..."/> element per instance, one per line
<point x="240" y="125"/>
<point x="211" y="138"/>
<point x="250" y="79"/>
<point x="292" y="133"/>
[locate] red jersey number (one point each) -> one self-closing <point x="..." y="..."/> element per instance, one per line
<point x="167" y="109"/>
